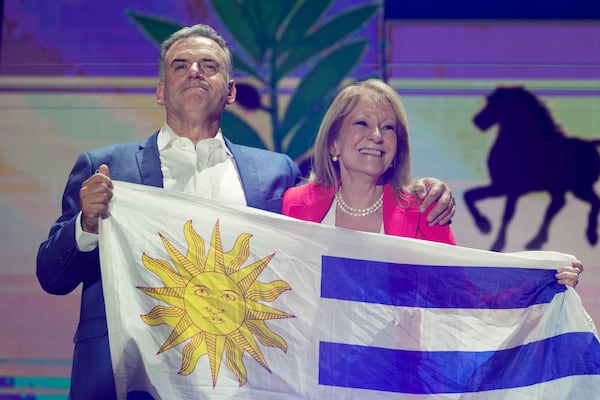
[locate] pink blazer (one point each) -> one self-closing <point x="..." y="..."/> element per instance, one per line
<point x="402" y="217"/>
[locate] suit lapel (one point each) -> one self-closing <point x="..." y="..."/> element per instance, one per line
<point x="248" y="171"/>
<point x="148" y="160"/>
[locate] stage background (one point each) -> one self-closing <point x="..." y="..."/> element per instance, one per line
<point x="77" y="74"/>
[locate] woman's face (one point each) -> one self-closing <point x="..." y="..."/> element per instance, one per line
<point x="367" y="142"/>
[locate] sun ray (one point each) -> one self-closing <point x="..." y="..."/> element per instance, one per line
<point x="246" y="341"/>
<point x="238" y="255"/>
<point x="192" y="352"/>
<point x="267" y="291"/>
<point x="266" y="336"/>
<point x="182" y="264"/>
<point x="259" y="311"/>
<point x="195" y="249"/>
<point x="164" y="270"/>
<point x="214" y="260"/>
<point x="163" y="315"/>
<point x="235" y="361"/>
<point x="248" y="275"/>
<point x="180" y="333"/>
<point x="215" y="345"/>
<point x="170" y="295"/>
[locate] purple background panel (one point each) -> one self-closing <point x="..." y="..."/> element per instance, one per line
<point x="539" y="50"/>
<point x="84" y="37"/>
<point x="96" y="38"/>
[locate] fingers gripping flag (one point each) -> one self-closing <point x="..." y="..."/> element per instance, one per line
<point x="205" y="300"/>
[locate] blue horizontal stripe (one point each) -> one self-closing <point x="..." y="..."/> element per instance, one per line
<point x="430" y="372"/>
<point x="436" y="286"/>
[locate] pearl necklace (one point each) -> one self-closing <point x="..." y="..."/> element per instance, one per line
<point x="357" y="212"/>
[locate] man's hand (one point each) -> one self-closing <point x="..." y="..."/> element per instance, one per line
<point x="431" y="190"/>
<point x="94" y="195"/>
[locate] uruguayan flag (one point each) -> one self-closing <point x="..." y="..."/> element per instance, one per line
<point x="205" y="300"/>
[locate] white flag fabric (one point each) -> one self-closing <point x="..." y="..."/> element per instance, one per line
<point x="206" y="300"/>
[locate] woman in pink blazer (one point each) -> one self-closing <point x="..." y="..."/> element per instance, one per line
<point x="361" y="169"/>
<point x="361" y="172"/>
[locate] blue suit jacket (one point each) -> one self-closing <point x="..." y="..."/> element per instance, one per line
<point x="61" y="267"/>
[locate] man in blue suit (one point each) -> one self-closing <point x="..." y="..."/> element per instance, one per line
<point x="188" y="154"/>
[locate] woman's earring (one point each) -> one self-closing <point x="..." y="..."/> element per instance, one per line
<point x="334" y="158"/>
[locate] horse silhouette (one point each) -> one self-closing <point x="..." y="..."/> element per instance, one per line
<point x="531" y="153"/>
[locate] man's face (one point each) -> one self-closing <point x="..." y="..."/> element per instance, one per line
<point x="195" y="80"/>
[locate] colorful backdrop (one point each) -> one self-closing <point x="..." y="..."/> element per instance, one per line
<point x="76" y="74"/>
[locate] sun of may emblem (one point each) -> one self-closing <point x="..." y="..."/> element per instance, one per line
<point x="215" y="303"/>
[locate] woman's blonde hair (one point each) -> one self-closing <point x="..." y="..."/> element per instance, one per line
<point x="326" y="172"/>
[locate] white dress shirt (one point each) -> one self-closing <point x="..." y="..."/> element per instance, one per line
<point x="206" y="170"/>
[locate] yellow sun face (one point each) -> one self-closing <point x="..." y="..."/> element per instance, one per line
<point x="215" y="303"/>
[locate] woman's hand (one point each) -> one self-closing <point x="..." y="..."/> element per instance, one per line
<point x="570" y="275"/>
